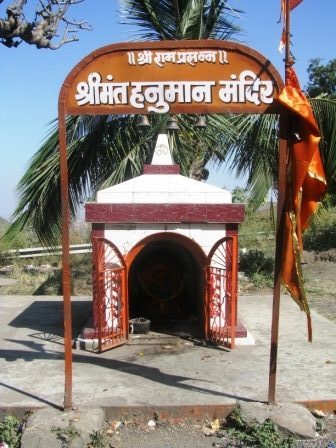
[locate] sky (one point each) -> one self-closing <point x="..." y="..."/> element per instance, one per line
<point x="30" y="79"/>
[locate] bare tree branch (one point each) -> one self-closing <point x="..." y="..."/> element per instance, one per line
<point x="50" y="28"/>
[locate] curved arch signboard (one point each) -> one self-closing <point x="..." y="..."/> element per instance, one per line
<point x="172" y="77"/>
<point x="190" y="77"/>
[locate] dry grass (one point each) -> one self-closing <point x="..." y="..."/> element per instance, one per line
<point x="49" y="282"/>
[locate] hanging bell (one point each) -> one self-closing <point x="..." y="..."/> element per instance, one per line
<point x="201" y="122"/>
<point x="142" y="121"/>
<point x="172" y="124"/>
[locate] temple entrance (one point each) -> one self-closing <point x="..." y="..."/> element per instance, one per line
<point x="166" y="285"/>
<point x="168" y="279"/>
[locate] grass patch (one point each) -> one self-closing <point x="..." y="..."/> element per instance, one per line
<point x="258" y="231"/>
<point x="49" y="282"/>
<point x="98" y="439"/>
<point x="262" y="435"/>
<point x="10" y="431"/>
<point x="66" y="435"/>
<point x="257" y="267"/>
<point x="261" y="280"/>
<point x="256" y="262"/>
<point x="257" y="243"/>
<point x="321" y="234"/>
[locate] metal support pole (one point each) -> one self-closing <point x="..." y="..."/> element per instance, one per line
<point x="283" y="145"/>
<point x="288" y="58"/>
<point x="283" y="148"/>
<point x="65" y="262"/>
<point x="234" y="288"/>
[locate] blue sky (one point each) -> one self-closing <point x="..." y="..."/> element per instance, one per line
<point x="30" y="79"/>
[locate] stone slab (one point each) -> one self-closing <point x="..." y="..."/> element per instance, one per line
<point x="47" y="427"/>
<point x="289" y="417"/>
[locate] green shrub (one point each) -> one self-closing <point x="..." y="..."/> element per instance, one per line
<point x="258" y="232"/>
<point x="66" y="435"/>
<point x="10" y="431"/>
<point x="262" y="435"/>
<point x="98" y="440"/>
<point x="256" y="262"/>
<point x="321" y="235"/>
<point x="320" y="239"/>
<point x="260" y="280"/>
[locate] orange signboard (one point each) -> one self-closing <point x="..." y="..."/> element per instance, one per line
<point x="172" y="77"/>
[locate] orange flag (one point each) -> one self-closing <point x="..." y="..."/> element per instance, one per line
<point x="292" y="4"/>
<point x="306" y="186"/>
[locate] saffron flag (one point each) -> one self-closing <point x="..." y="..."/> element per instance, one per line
<point x="306" y="185"/>
<point x="292" y="4"/>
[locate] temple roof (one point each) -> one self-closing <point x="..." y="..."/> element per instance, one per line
<point x="162" y="187"/>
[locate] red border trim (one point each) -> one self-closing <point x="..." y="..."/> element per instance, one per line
<point x="165" y="213"/>
<point x="161" y="169"/>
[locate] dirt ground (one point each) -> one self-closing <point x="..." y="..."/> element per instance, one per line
<point x="193" y="434"/>
<point x="320" y="277"/>
<point x="319" y="271"/>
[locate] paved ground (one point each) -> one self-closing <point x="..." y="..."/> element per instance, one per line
<point x="161" y="370"/>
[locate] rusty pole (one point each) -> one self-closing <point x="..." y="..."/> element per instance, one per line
<point x="234" y="289"/>
<point x="278" y="256"/>
<point x="65" y="261"/>
<point x="288" y="58"/>
<point x="283" y="148"/>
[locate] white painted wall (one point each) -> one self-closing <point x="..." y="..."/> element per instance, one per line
<point x="126" y="236"/>
<point x="163" y="189"/>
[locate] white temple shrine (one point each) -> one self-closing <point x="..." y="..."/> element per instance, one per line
<point x="164" y="248"/>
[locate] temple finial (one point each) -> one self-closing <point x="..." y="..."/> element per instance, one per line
<point x="162" y="154"/>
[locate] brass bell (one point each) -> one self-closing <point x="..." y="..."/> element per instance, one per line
<point x="172" y="124"/>
<point x="142" y="121"/>
<point x="201" y="122"/>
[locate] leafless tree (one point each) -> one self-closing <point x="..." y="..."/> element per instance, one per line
<point x="49" y="27"/>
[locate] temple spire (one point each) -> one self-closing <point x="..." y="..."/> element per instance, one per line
<point x="162" y="154"/>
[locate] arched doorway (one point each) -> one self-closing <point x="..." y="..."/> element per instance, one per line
<point x="168" y="279"/>
<point x="166" y="283"/>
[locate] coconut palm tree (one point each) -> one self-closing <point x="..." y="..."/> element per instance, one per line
<point x="105" y="150"/>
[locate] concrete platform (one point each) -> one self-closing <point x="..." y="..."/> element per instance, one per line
<point x="161" y="370"/>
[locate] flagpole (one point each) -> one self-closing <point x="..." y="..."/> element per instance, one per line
<point x="283" y="147"/>
<point x="288" y="58"/>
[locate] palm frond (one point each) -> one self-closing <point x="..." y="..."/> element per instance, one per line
<point x="155" y="20"/>
<point x="325" y="113"/>
<point x="180" y="19"/>
<point x="103" y="151"/>
<point x="194" y="148"/>
<point x="191" y="23"/>
<point x="220" y="21"/>
<point x="91" y="160"/>
<point x="255" y="153"/>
